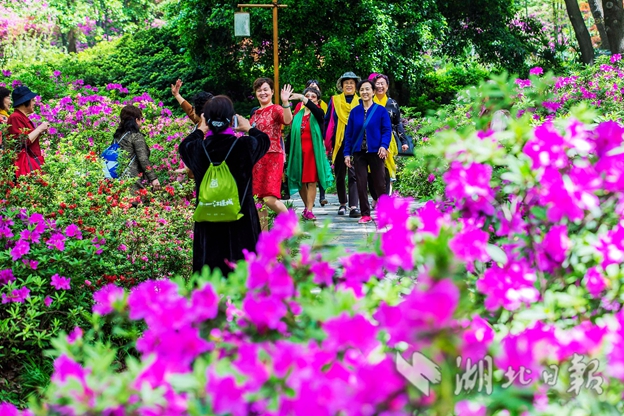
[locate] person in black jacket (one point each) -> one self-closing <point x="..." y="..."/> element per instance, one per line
<point x="220" y="244"/>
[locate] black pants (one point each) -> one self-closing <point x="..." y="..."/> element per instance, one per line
<point x="363" y="161"/>
<point x="321" y="192"/>
<point x="371" y="188"/>
<point x="340" y="169"/>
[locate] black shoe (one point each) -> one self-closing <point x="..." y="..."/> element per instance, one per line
<point x="342" y="210"/>
<point x="323" y="202"/>
<point x="355" y="213"/>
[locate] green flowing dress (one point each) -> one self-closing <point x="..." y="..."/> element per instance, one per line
<point x="295" y="160"/>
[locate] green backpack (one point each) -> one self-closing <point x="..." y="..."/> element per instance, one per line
<point x="218" y="193"/>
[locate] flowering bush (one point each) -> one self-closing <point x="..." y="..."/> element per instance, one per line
<point x="506" y="298"/>
<point x="71" y="223"/>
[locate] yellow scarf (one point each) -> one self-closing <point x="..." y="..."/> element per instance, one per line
<point x="4" y="114"/>
<point x="393" y="148"/>
<point x="343" y="108"/>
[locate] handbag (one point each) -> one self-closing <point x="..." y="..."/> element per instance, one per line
<point x="26" y="162"/>
<point x="410" y="149"/>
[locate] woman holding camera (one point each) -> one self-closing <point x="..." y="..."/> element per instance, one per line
<point x="220" y="244"/>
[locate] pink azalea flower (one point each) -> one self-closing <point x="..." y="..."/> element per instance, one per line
<point x="21" y="248"/>
<point x="75" y="335"/>
<point x="17" y="295"/>
<point x="56" y="240"/>
<point x="470" y="245"/>
<point x="227" y="396"/>
<point x="60" y="282"/>
<point x="470" y="187"/>
<point x="546" y="148"/>
<point x="345" y="332"/>
<point x="204" y="303"/>
<point x="264" y="312"/>
<point x="72" y="230"/>
<point x="554" y="249"/>
<point x="467" y="408"/>
<point x="322" y="273"/>
<point x="65" y="368"/>
<point x="105" y="297"/>
<point x="425" y="309"/>
<point x="595" y="282"/>
<point x="536" y="71"/>
<point x="430" y="219"/>
<point x="360" y="268"/>
<point x="47" y="301"/>
<point x="6" y="276"/>
<point x="509" y="286"/>
<point x="476" y="338"/>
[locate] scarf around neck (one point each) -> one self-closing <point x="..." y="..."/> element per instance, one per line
<point x="343" y="109"/>
<point x="381" y="102"/>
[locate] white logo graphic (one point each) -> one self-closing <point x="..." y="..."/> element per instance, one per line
<point x="214" y="183"/>
<point x="421" y="373"/>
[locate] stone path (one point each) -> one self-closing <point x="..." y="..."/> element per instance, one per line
<point x="348" y="232"/>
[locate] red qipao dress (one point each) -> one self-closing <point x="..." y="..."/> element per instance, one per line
<point x="268" y="172"/>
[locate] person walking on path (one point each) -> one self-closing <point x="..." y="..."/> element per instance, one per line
<point x="307" y="163"/>
<point x="336" y="120"/>
<point x="382" y="83"/>
<point x="268" y="172"/>
<point x="367" y="139"/>
<point x="132" y="141"/>
<point x="20" y="125"/>
<point x="312" y="83"/>
<point x="220" y="244"/>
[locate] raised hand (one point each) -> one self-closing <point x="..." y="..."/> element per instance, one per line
<point x="175" y="88"/>
<point x="295" y="96"/>
<point x="286" y="93"/>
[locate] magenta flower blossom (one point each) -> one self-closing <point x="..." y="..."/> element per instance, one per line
<point x="595" y="282"/>
<point x="35" y="218"/>
<point x="616" y="57"/>
<point x="523" y="83"/>
<point x="6" y="276"/>
<point x="476" y="338"/>
<point x="205" y="303"/>
<point x="17" y="295"/>
<point x="509" y="286"/>
<point x="467" y="408"/>
<point x="470" y="187"/>
<point x="72" y="230"/>
<point x="322" y="273"/>
<point x="546" y="148"/>
<point x="345" y="332"/>
<point x="60" y="282"/>
<point x="424" y="309"/>
<point x="47" y="301"/>
<point x="21" y="248"/>
<point x="56" y="240"/>
<point x="227" y="396"/>
<point x="431" y="178"/>
<point x="65" y="368"/>
<point x="74" y="335"/>
<point x="105" y="297"/>
<point x="430" y="219"/>
<point x="554" y="249"/>
<point x="536" y="71"/>
<point x="360" y="268"/>
<point x="264" y="312"/>
<point x="470" y="245"/>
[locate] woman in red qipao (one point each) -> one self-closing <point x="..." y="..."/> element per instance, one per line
<point x="268" y="172"/>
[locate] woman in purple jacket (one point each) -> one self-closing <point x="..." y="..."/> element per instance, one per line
<point x="367" y="139"/>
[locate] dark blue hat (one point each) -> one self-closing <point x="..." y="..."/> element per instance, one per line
<point x="22" y="94"/>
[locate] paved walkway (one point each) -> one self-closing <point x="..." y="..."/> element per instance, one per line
<point x="348" y="232"/>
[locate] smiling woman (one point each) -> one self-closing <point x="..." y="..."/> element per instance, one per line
<point x="269" y="118"/>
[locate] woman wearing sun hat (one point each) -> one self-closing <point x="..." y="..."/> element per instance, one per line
<point x="340" y="105"/>
<point x="20" y="126"/>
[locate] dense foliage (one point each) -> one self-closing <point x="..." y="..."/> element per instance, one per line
<point x="72" y="223"/>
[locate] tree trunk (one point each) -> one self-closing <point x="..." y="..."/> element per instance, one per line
<point x="71" y="41"/>
<point x="596" y="9"/>
<point x="580" y="30"/>
<point x="613" y="16"/>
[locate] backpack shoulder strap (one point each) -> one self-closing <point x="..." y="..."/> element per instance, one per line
<point x="226" y="156"/>
<point x="122" y="137"/>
